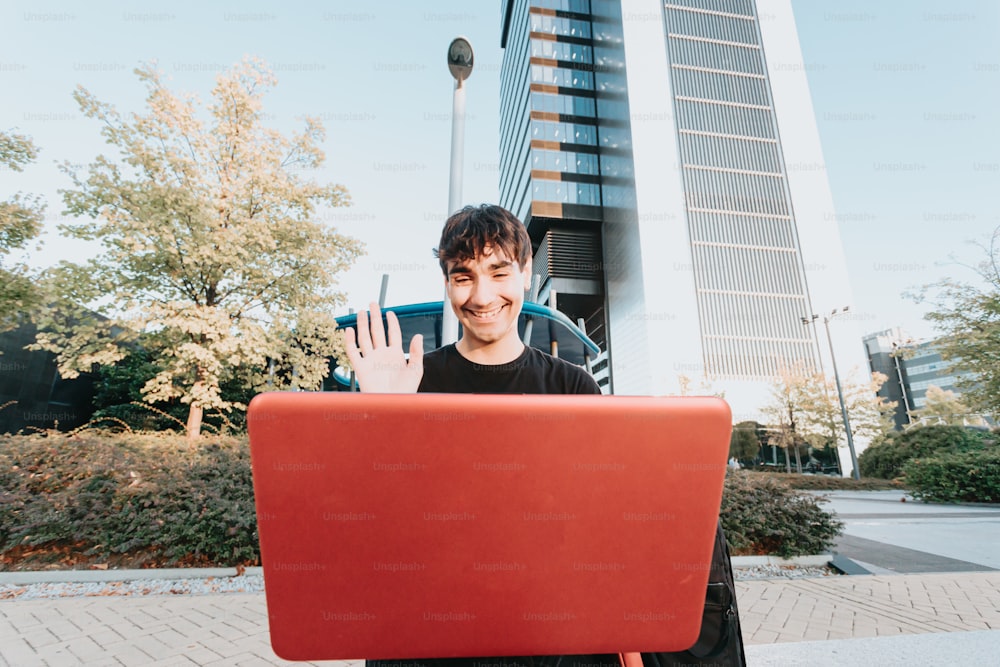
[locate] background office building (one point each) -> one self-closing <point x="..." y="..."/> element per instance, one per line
<point x="666" y="160"/>
<point x="911" y="368"/>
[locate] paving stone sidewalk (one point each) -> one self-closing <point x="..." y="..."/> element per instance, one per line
<point x="868" y="606"/>
<point x="231" y="629"/>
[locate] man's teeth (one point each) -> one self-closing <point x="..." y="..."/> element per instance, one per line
<point x="486" y="314"/>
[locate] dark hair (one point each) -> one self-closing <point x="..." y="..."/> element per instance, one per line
<point x="468" y="231"/>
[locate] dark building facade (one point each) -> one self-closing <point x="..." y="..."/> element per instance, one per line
<point x="32" y="394"/>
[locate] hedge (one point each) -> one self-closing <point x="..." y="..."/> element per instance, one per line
<point x="886" y="459"/>
<point x="114" y="493"/>
<point x="159" y="501"/>
<point x="972" y="476"/>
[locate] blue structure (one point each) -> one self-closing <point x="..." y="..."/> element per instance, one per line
<point x="547" y="329"/>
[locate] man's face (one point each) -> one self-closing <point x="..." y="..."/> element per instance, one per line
<point x="486" y="294"/>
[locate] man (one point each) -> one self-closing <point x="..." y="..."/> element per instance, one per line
<point x="485" y="255"/>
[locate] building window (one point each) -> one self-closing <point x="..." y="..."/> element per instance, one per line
<point x="564" y="78"/>
<point x="567" y="133"/>
<point x="565" y="51"/>
<point x="570" y="105"/>
<point x="555" y="25"/>
<point x="588" y="194"/>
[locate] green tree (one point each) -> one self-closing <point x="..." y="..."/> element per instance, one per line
<point x="968" y="317"/>
<point x="20" y="222"/>
<point x="745" y="440"/>
<point x="211" y="251"/>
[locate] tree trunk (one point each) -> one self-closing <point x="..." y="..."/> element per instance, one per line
<point x="194" y="422"/>
<point x="788" y="462"/>
<point x="196" y="412"/>
<point x="798" y="460"/>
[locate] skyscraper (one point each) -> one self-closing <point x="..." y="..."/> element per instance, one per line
<point x="665" y="158"/>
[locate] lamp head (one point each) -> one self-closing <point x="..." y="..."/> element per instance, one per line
<point x="460" y="58"/>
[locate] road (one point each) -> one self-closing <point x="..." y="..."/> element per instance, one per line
<point x="893" y="533"/>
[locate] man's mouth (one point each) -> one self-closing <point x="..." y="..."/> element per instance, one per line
<point x="484" y="314"/>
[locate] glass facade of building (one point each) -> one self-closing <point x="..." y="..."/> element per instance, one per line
<point x="548" y="151"/>
<point x="749" y="277"/>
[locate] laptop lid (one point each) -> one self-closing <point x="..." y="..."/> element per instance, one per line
<point x="449" y="525"/>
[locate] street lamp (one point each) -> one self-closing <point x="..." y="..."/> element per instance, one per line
<point x="855" y="473"/>
<point x="840" y="393"/>
<point x="460" y="59"/>
<point x="822" y="371"/>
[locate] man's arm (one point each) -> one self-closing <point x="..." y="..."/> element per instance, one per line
<point x="380" y="365"/>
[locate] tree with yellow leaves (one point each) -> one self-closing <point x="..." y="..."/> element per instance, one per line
<point x="20" y="221"/>
<point x="211" y="248"/>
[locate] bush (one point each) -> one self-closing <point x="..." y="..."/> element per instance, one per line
<point x="972" y="476"/>
<point x="153" y="500"/>
<point x="885" y="460"/>
<point x="125" y="493"/>
<point x="764" y="516"/>
<point x="830" y="482"/>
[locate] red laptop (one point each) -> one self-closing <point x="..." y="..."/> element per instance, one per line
<point x="450" y="525"/>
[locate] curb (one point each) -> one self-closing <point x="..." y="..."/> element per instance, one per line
<point x="816" y="560"/>
<point x="99" y="576"/>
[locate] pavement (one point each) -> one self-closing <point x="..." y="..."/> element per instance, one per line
<point x="932" y="598"/>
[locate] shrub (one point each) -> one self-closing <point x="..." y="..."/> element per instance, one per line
<point x="886" y="459"/>
<point x="119" y="493"/>
<point x="830" y="482"/>
<point x="156" y="500"/>
<point x="764" y="516"/>
<point x="972" y="476"/>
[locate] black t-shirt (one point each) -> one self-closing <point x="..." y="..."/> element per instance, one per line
<point x="534" y="372"/>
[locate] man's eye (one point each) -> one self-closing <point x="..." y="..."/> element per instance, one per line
<point x="500" y="275"/>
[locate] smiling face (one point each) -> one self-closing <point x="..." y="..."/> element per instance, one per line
<point x="487" y="293"/>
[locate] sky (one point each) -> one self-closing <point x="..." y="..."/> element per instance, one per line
<point x="906" y="95"/>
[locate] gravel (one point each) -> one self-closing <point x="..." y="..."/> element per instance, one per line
<point x="248" y="583"/>
<point x="254" y="583"/>
<point x="783" y="572"/>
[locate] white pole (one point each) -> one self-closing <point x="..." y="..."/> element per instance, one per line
<point x="449" y="323"/>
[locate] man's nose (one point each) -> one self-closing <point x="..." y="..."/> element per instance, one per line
<point x="483" y="293"/>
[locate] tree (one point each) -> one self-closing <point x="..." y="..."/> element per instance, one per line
<point x="745" y="441"/>
<point x="945" y="407"/>
<point x="210" y="250"/>
<point x="20" y="221"/>
<point x="968" y="316"/>
<point x="785" y="413"/>
<point x="805" y="412"/>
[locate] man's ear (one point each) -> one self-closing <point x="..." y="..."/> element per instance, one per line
<point x="526" y="271"/>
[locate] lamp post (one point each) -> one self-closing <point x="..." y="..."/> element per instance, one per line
<point x="840" y="393"/>
<point x="460" y="59"/>
<point x="822" y="371"/>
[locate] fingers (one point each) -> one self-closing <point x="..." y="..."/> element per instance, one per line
<point x="416" y="364"/>
<point x="351" y="347"/>
<point x="364" y="334"/>
<point x="395" y="336"/>
<point x="377" y="328"/>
